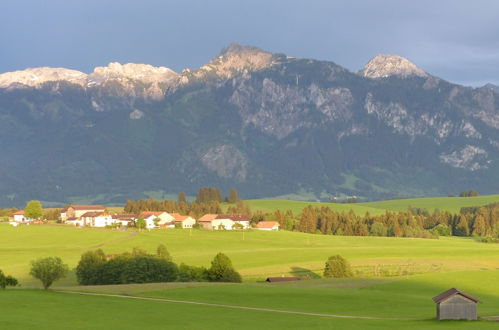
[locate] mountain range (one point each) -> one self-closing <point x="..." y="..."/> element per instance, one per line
<point x="265" y="123"/>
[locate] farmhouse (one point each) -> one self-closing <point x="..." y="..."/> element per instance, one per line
<point x="207" y="221"/>
<point x="185" y="221"/>
<point x="225" y="221"/>
<point x="124" y="219"/>
<point x="267" y="225"/>
<point x="164" y="219"/>
<point x="19" y="216"/>
<point x="454" y="304"/>
<point x="74" y="212"/>
<point x="97" y="219"/>
<point x="242" y="220"/>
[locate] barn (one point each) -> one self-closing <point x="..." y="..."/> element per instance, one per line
<point x="454" y="304"/>
<point x="283" y="279"/>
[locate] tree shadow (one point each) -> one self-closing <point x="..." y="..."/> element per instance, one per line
<point x="303" y="272"/>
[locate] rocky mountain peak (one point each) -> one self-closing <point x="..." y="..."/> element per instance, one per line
<point x="34" y="77"/>
<point x="143" y="72"/>
<point x="382" y="66"/>
<point x="238" y="58"/>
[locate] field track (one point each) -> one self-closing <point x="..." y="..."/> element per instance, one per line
<point x="175" y="301"/>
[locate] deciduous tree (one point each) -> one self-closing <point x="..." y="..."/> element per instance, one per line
<point x="338" y="267"/>
<point x="33" y="210"/>
<point x="48" y="270"/>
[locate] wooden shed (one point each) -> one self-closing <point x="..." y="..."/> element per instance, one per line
<point x="283" y="279"/>
<point x="454" y="304"/>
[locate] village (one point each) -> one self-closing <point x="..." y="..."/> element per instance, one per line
<point x="97" y="216"/>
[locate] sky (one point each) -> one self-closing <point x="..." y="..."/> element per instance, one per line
<point x="452" y="39"/>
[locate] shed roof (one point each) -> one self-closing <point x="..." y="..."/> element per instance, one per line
<point x="283" y="279"/>
<point x="20" y="212"/>
<point x="444" y="295"/>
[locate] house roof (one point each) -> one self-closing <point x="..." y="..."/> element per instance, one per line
<point x="444" y="295"/>
<point x="178" y="217"/>
<point x="92" y="214"/>
<point x="234" y="217"/>
<point x="20" y="212"/>
<point x="125" y="217"/>
<point x="283" y="279"/>
<point x="86" y="207"/>
<point x="149" y="213"/>
<point x="267" y="224"/>
<point x="208" y="217"/>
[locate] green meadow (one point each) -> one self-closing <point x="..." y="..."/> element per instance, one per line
<point x="395" y="280"/>
<point x="451" y="204"/>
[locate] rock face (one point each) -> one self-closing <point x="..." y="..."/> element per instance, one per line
<point x="36" y="77"/>
<point x="264" y="123"/>
<point x="127" y="80"/>
<point x="382" y="66"/>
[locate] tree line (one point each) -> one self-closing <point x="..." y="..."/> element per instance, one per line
<point x="139" y="266"/>
<point x="480" y="221"/>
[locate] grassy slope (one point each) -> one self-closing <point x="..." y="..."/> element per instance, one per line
<point x="451" y="204"/>
<point x="271" y="205"/>
<point x="404" y="298"/>
<point x="259" y="255"/>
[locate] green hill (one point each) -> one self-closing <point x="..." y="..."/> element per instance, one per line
<point x="451" y="204"/>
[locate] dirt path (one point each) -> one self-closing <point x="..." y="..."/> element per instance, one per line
<point x="132" y="235"/>
<point x="243" y="307"/>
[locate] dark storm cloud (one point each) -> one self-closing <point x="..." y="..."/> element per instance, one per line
<point x="456" y="40"/>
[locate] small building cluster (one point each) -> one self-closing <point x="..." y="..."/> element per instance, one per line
<point x="97" y="216"/>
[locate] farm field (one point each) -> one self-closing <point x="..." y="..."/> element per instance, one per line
<point x="403" y="303"/>
<point x="255" y="254"/>
<point x="397" y="279"/>
<point x="451" y="204"/>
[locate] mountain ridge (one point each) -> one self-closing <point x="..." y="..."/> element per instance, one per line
<point x="262" y="122"/>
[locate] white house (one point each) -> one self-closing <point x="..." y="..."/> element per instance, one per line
<point x="19" y="216"/>
<point x="97" y="219"/>
<point x="164" y="219"/>
<point x="124" y="219"/>
<point x="225" y="221"/>
<point x="74" y="212"/>
<point x="185" y="221"/>
<point x="267" y="225"/>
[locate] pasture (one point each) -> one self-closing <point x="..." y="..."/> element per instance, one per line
<point x="396" y="279"/>
<point x="451" y="204"/>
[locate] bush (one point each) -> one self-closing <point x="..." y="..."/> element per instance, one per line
<point x="48" y="270"/>
<point x="222" y="270"/>
<point x="441" y="230"/>
<point x="7" y="280"/>
<point x="192" y="273"/>
<point x="89" y="267"/>
<point x="162" y="252"/>
<point x="137" y="267"/>
<point x="338" y="267"/>
<point x="148" y="269"/>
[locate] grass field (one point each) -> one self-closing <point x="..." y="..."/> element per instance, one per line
<point x="451" y="204"/>
<point x="424" y="268"/>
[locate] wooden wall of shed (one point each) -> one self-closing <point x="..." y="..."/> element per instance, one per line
<point x="457" y="307"/>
